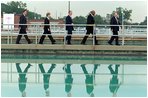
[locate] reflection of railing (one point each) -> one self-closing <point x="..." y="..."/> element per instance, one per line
<point x="137" y="31"/>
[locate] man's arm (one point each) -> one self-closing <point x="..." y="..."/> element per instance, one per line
<point x="111" y="23"/>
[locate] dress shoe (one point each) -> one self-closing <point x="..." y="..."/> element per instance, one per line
<point x="97" y="44"/>
<point x="53" y="43"/>
<point x="18" y="43"/>
<point x="110" y="43"/>
<point x="118" y="44"/>
<point x="40" y="43"/>
<point x="30" y="42"/>
<point x="68" y="43"/>
<point x="82" y="43"/>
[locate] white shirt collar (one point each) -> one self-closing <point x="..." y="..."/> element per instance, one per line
<point x="48" y="18"/>
<point x="116" y="18"/>
<point x="91" y="15"/>
<point x="24" y="15"/>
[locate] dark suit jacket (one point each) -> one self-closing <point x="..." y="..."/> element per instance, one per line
<point x="69" y="21"/>
<point x="23" y="20"/>
<point x="113" y="21"/>
<point x="90" y="20"/>
<point x="46" y="21"/>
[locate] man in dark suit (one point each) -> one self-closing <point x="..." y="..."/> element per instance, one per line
<point x="69" y="27"/>
<point x="114" y="21"/>
<point x="23" y="28"/>
<point x="47" y="30"/>
<point x="90" y="29"/>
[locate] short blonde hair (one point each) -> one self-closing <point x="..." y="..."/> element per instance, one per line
<point x="47" y="14"/>
<point x="115" y="12"/>
<point x="92" y="12"/>
<point x="69" y="11"/>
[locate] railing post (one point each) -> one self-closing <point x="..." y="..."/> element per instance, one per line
<point x="36" y="41"/>
<point x="8" y="35"/>
<point x="65" y="33"/>
<point x="94" y="35"/>
<point x="65" y="37"/>
<point x="132" y="34"/>
<point x="11" y="34"/>
<point x="122" y="35"/>
<point x="109" y="34"/>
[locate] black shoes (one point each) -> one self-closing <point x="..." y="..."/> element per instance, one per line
<point x="118" y="44"/>
<point x="30" y="42"/>
<point x="40" y="43"/>
<point x="68" y="43"/>
<point x="53" y="42"/>
<point x="18" y="43"/>
<point x="110" y="43"/>
<point x="85" y="44"/>
<point x="97" y="44"/>
<point x="82" y="43"/>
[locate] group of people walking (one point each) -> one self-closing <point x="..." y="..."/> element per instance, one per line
<point x="69" y="27"/>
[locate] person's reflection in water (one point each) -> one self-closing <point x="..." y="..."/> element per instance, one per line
<point x="114" y="82"/>
<point x="89" y="81"/>
<point x="22" y="78"/>
<point x="46" y="77"/>
<point x="68" y="79"/>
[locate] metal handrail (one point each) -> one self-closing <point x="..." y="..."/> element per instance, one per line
<point x="123" y="35"/>
<point x="81" y="25"/>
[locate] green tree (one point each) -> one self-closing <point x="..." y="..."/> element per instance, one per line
<point x="79" y="20"/>
<point x="126" y="14"/>
<point x="5" y="8"/>
<point x="63" y="18"/>
<point x="17" y="8"/>
<point x="99" y="19"/>
<point x="17" y="4"/>
<point x="144" y="22"/>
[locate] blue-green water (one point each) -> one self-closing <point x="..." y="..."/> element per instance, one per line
<point x="77" y="76"/>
